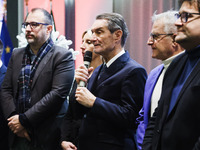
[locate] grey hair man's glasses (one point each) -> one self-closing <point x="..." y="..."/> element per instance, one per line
<point x="155" y="37"/>
<point x="33" y="25"/>
<point x="184" y="16"/>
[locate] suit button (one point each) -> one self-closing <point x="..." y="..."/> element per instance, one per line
<point x="158" y="131"/>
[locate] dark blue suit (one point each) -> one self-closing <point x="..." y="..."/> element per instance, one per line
<point x="3" y="123"/>
<point x="110" y="123"/>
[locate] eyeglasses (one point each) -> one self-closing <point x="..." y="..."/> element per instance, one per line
<point x="184" y="16"/>
<point x="33" y="25"/>
<point x="155" y="37"/>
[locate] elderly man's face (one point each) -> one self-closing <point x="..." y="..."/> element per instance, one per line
<point x="162" y="43"/>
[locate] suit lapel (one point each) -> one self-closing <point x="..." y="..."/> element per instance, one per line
<point x="194" y="72"/>
<point x="92" y="81"/>
<point x="117" y="65"/>
<point x="149" y="87"/>
<point x="169" y="80"/>
<point x="18" y="64"/>
<point x="41" y="66"/>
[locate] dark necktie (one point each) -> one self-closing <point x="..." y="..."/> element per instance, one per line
<point x="101" y="74"/>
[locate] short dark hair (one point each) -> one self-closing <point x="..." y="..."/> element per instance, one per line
<point x="47" y="15"/>
<point x="115" y="22"/>
<point x="191" y="2"/>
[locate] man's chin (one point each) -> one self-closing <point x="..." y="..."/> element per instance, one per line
<point x="97" y="50"/>
<point x="30" y="41"/>
<point x="179" y="39"/>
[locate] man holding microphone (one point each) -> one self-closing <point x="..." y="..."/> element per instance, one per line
<point x="114" y="92"/>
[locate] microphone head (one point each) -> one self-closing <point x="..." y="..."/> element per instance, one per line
<point x="88" y="56"/>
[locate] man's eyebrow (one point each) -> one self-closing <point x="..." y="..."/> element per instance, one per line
<point x="100" y="28"/>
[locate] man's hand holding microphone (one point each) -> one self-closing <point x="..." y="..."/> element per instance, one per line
<point x="82" y="74"/>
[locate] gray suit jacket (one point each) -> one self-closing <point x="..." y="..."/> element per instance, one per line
<point x="51" y="84"/>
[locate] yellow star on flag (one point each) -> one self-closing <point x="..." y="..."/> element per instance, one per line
<point x="7" y="49"/>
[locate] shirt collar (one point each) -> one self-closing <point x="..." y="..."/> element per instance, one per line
<point x="114" y="58"/>
<point x="167" y="62"/>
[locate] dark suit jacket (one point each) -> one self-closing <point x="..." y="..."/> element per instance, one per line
<point x="3" y="122"/>
<point x="180" y="130"/>
<point x="110" y="123"/>
<point x="51" y="84"/>
<point x="72" y="119"/>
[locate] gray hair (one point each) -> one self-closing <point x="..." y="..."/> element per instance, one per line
<point x="168" y="18"/>
<point x="115" y="22"/>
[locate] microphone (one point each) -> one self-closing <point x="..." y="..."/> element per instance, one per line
<point x="87" y="60"/>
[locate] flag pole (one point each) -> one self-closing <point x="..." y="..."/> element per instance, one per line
<point x="26" y="7"/>
<point x="51" y="11"/>
<point x="5" y="10"/>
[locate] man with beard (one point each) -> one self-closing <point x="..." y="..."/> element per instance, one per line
<point x="37" y="82"/>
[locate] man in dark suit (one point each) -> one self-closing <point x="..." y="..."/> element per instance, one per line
<point x="3" y="122"/>
<point x="114" y="93"/>
<point x="37" y="81"/>
<point x="176" y="123"/>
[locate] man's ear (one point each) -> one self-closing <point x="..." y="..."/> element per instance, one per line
<point x="49" y="28"/>
<point x="173" y="37"/>
<point x="174" y="44"/>
<point x="118" y="34"/>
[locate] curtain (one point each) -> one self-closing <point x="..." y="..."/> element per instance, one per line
<point x="137" y="14"/>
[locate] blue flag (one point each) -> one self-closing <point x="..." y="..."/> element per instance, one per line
<point x="7" y="44"/>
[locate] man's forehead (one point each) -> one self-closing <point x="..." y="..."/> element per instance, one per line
<point x="99" y="24"/>
<point x="36" y="16"/>
<point x="187" y="6"/>
<point x="158" y="26"/>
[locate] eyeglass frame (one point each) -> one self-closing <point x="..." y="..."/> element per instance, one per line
<point x="157" y="35"/>
<point x="25" y="24"/>
<point x="178" y="15"/>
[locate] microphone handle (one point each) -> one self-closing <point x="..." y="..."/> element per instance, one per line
<point x="82" y="83"/>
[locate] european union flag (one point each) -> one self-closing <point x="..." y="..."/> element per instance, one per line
<point x="7" y="44"/>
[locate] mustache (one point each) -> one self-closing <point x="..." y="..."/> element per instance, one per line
<point x="29" y="35"/>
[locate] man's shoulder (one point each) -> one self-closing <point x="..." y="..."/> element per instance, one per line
<point x="18" y="51"/>
<point x="134" y="64"/>
<point x="59" y="49"/>
<point x="156" y="69"/>
<point x="131" y="62"/>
